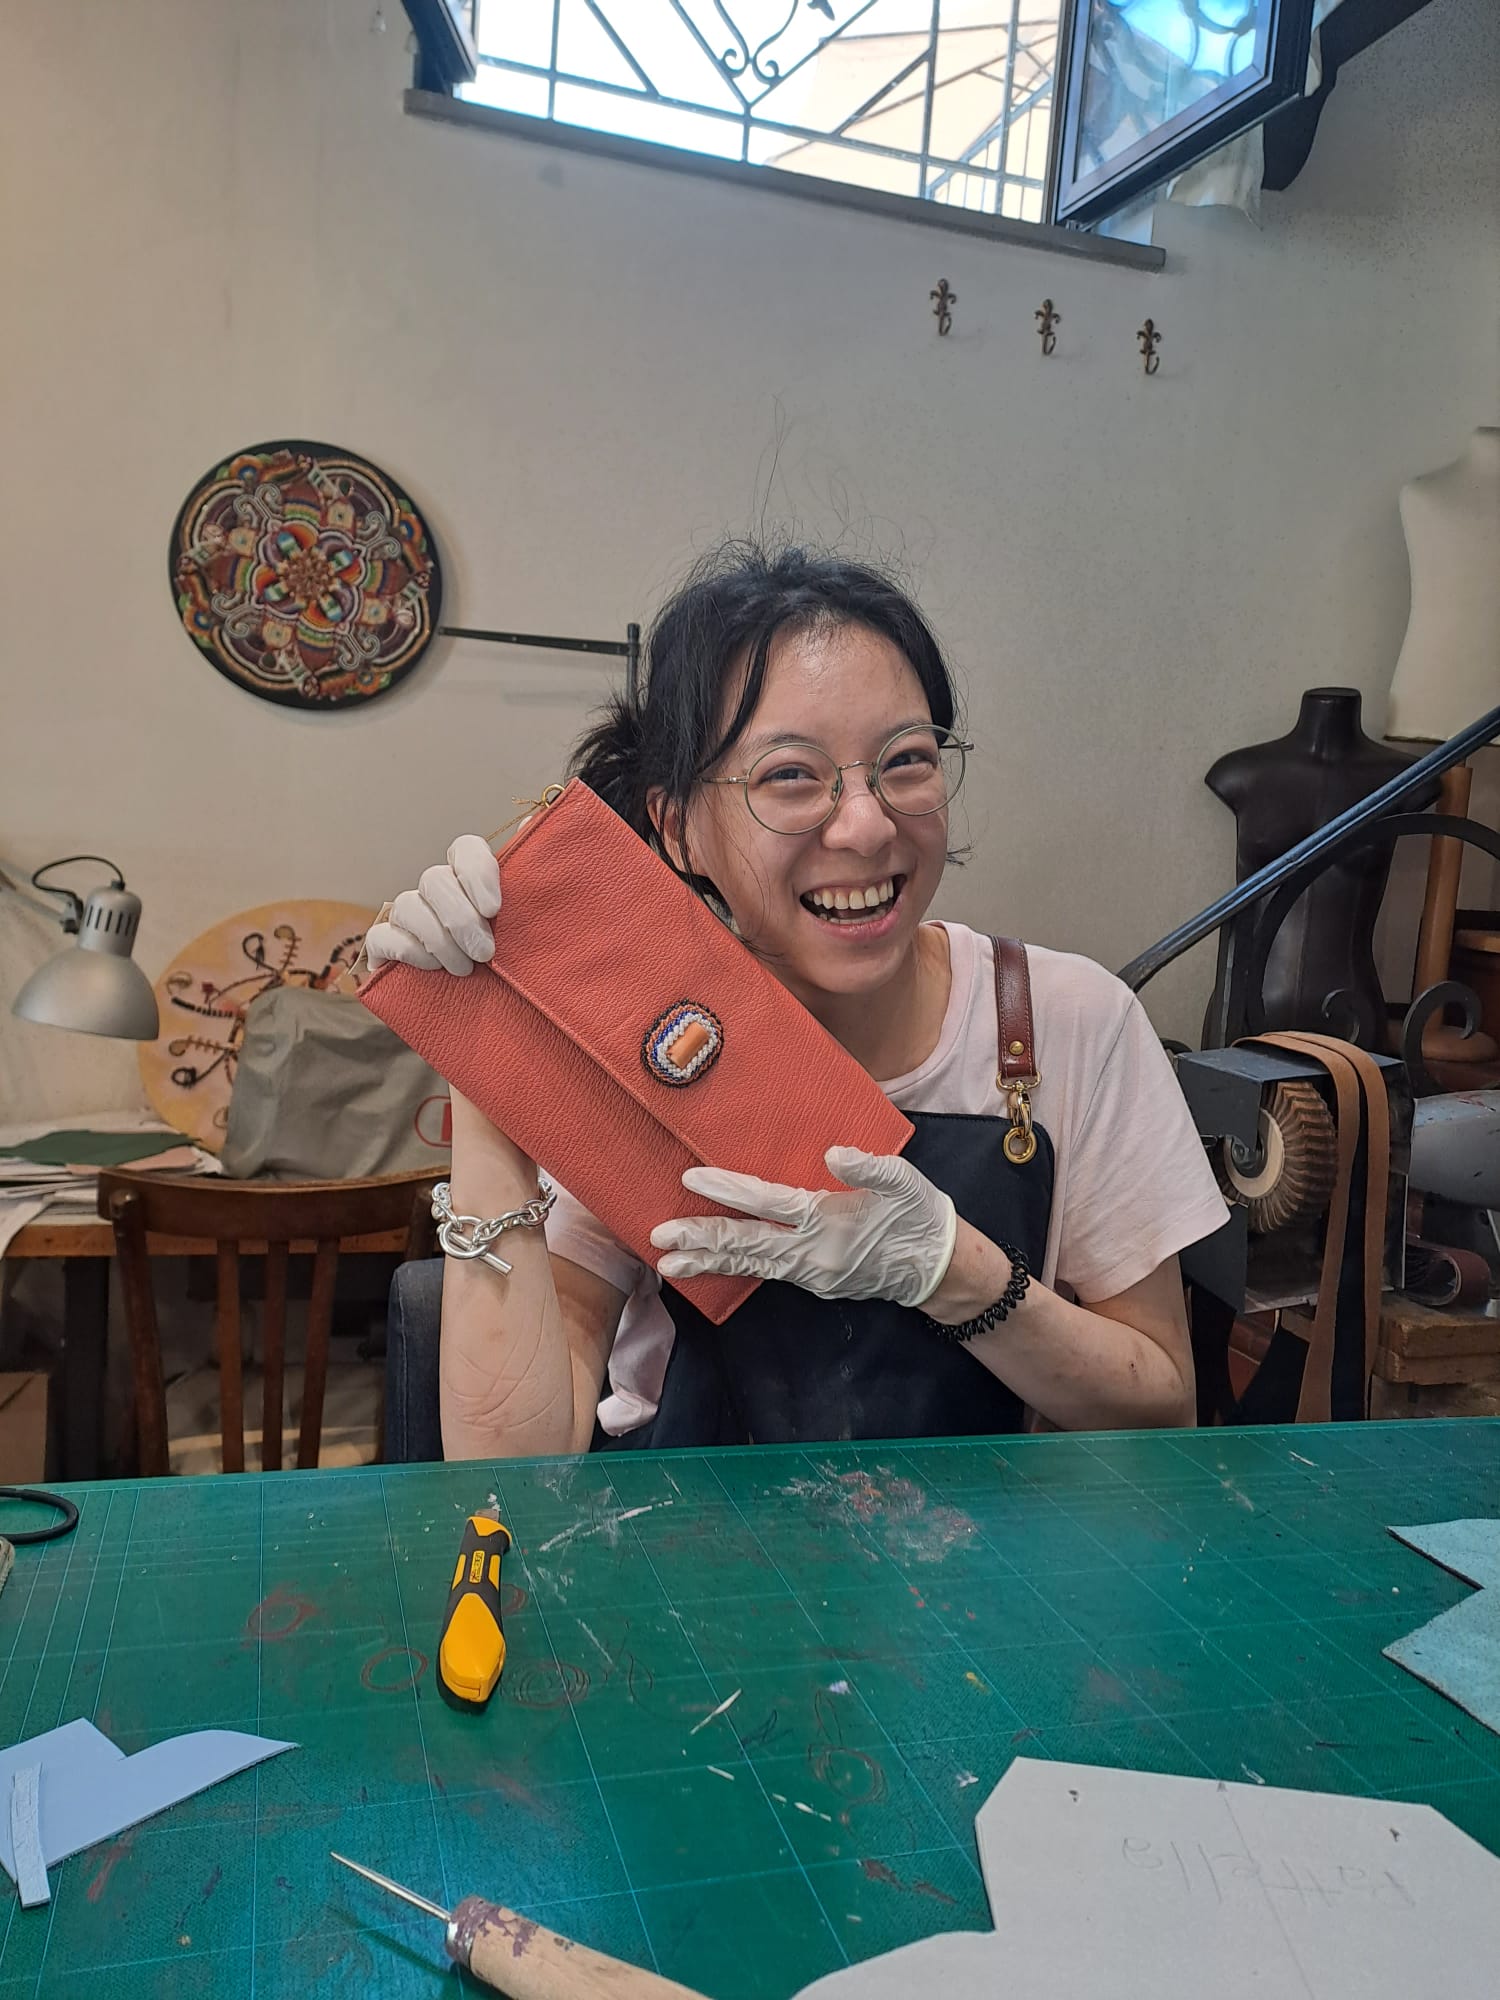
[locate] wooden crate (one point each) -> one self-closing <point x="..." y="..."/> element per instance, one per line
<point x="1429" y="1347"/>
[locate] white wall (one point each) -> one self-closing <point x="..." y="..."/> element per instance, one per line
<point x="219" y="226"/>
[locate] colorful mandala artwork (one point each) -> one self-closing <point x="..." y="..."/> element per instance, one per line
<point x="304" y="575"/>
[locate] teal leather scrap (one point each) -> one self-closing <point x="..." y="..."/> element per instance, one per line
<point x="1458" y="1652"/>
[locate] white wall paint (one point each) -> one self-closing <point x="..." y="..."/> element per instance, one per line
<point x="218" y="226"/>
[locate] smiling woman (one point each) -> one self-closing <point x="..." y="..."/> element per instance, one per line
<point x="791" y="751"/>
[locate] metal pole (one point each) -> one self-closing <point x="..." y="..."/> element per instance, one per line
<point x="1323" y="841"/>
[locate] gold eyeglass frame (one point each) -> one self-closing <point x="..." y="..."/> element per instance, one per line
<point x="836" y="792"/>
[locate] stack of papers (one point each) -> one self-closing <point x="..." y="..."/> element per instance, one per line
<point x="57" y="1168"/>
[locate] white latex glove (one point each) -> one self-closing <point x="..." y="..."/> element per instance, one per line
<point x="890" y="1236"/>
<point x="444" y="923"/>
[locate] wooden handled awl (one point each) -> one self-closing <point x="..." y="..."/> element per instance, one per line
<point x="526" y="1962"/>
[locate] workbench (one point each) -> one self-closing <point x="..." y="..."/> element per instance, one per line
<point x="892" y="1623"/>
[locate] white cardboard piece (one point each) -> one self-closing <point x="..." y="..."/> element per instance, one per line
<point x="26" y="1837"/>
<point x="1145" y="1887"/>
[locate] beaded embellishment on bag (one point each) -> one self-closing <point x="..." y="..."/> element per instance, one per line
<point x="683" y="1044"/>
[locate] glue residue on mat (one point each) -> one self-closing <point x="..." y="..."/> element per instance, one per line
<point x="911" y="1526"/>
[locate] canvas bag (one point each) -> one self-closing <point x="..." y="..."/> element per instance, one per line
<point x="323" y="1091"/>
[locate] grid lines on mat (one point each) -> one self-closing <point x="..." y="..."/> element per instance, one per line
<point x="752" y="1698"/>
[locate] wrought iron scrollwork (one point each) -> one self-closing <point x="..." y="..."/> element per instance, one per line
<point x="732" y="61"/>
<point x="735" y="61"/>
<point x="1247" y="939"/>
<point x="1425" y="1008"/>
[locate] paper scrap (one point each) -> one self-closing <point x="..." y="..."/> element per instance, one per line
<point x="76" y="1746"/>
<point x="26" y="1836"/>
<point x="1471" y="1549"/>
<point x="89" y="1793"/>
<point x="714" y="1714"/>
<point x="1147" y="1887"/>
<point x="1458" y="1652"/>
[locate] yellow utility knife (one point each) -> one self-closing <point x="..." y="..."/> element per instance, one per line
<point x="471" y="1649"/>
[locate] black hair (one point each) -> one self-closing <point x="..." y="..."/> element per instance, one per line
<point x="662" y="733"/>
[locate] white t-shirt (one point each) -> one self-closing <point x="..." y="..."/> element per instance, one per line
<point x="1132" y="1185"/>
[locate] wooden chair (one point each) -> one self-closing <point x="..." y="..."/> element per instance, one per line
<point x="274" y="1221"/>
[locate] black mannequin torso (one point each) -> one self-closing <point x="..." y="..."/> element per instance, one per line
<point x="1281" y="791"/>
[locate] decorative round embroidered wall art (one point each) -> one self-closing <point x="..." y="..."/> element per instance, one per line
<point x="305" y="575"/>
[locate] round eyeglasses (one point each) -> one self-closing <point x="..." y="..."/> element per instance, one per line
<point x="795" y="787"/>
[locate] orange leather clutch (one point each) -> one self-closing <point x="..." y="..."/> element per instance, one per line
<point x="622" y="1034"/>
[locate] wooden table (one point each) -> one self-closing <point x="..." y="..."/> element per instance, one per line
<point x="84" y="1245"/>
<point x="752" y="1700"/>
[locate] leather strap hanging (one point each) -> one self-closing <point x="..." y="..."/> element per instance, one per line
<point x="1017" y="1076"/>
<point x="1355" y="1075"/>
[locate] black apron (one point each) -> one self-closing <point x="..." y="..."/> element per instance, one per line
<point x="791" y="1368"/>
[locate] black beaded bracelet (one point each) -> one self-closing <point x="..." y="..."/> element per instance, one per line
<point x="1004" y="1306"/>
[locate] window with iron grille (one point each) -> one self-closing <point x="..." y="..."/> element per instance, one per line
<point x="946" y="100"/>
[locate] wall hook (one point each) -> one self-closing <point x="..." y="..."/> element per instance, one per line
<point x="1046" y="319"/>
<point x="1150" y="340"/>
<point x="943" y="301"/>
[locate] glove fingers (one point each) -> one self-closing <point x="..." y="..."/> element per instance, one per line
<point x="411" y="914"/>
<point x="700" y="1232"/>
<point x="736" y="1263"/>
<point x="767" y="1199"/>
<point x="386" y="945"/>
<point x="879" y="1173"/>
<point x="695" y="1264"/>
<point x="443" y="894"/>
<point x="719" y="1243"/>
<point x="477" y="872"/>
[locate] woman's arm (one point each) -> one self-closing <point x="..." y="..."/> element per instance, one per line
<point x="523" y="1357"/>
<point x="1118" y="1363"/>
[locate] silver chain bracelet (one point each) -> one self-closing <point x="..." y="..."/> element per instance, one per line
<point x="469" y="1236"/>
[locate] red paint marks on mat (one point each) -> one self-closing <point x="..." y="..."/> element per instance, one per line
<point x="519" y="1794"/>
<point x="1108" y="1688"/>
<point x="912" y="1526"/>
<point x="114" y="1854"/>
<point x="400" y="1679"/>
<point x="877" y="1871"/>
<point x="279" y="1615"/>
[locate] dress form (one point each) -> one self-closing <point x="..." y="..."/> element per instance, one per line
<point x="1280" y="792"/>
<point x="1448" y="675"/>
<point x="1449" y="670"/>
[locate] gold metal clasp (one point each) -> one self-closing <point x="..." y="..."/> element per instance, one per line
<point x="1019" y="1144"/>
<point x="529" y="807"/>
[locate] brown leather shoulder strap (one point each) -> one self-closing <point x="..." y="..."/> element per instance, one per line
<point x="1013" y="1011"/>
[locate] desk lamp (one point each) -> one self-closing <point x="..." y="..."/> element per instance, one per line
<point x="94" y="987"/>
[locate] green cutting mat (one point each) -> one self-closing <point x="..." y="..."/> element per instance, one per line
<point x="894" y="1624"/>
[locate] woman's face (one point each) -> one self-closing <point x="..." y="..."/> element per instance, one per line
<point x="846" y="690"/>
